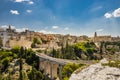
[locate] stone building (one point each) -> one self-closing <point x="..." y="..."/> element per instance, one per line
<point x="6" y="35"/>
<point x="102" y="38"/>
<point x="116" y="39"/>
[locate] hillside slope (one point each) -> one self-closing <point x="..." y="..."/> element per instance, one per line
<point x="97" y="72"/>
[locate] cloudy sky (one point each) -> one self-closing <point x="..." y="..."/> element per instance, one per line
<point x="76" y="17"/>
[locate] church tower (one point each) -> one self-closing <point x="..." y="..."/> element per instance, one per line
<point x="9" y="27"/>
<point x="95" y="37"/>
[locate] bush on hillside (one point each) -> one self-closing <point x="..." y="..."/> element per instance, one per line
<point x="69" y="69"/>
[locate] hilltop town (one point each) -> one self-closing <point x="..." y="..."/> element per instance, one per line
<point x="10" y="38"/>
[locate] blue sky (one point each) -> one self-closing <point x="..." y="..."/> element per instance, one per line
<point x="76" y="17"/>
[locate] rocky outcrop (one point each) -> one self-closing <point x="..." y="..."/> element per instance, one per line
<point x="97" y="72"/>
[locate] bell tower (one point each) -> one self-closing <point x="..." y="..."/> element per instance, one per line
<point x="95" y="35"/>
<point x="9" y="27"/>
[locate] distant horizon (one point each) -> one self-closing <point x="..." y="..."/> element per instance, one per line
<point x="23" y="30"/>
<point x="81" y="17"/>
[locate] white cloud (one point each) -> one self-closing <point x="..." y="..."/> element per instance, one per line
<point x="66" y="28"/>
<point x="4" y="26"/>
<point x="21" y="29"/>
<point x="19" y="0"/>
<point x="108" y="15"/>
<point x="14" y="12"/>
<point x="28" y="11"/>
<point x="55" y="27"/>
<point x="115" y="14"/>
<point x="99" y="30"/>
<point x="96" y="8"/>
<point x="13" y="27"/>
<point x="46" y="32"/>
<point x="30" y="2"/>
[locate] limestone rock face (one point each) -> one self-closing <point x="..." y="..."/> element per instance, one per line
<point x="97" y="72"/>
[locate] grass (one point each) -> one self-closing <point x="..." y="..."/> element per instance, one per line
<point x="115" y="63"/>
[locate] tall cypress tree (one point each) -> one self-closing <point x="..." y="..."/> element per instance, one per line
<point x="62" y="51"/>
<point x="25" y="52"/>
<point x="20" y="60"/>
<point x="53" y="52"/>
<point x="67" y="47"/>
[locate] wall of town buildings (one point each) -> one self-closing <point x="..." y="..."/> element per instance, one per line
<point x="105" y="38"/>
<point x="53" y="40"/>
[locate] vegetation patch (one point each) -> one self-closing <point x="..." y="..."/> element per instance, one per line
<point x="82" y="50"/>
<point x="10" y="69"/>
<point x="115" y="63"/>
<point x="69" y="69"/>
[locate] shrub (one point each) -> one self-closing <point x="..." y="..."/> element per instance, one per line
<point x="113" y="64"/>
<point x="69" y="69"/>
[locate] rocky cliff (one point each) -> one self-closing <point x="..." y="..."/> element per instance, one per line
<point x="97" y="72"/>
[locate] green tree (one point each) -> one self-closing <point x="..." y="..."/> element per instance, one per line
<point x="53" y="52"/>
<point x="101" y="46"/>
<point x="67" y="47"/>
<point x="21" y="63"/>
<point x="16" y="49"/>
<point x="34" y="74"/>
<point x="63" y="51"/>
<point x="0" y="42"/>
<point x="6" y="62"/>
<point x="25" y="53"/>
<point x="22" y="52"/>
<point x="36" y="41"/>
<point x="86" y="48"/>
<point x="33" y="45"/>
<point x="69" y="69"/>
<point x="31" y="58"/>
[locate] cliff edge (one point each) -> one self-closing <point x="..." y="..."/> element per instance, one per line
<point x="97" y="72"/>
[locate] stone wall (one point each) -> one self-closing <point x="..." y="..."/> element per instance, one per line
<point x="25" y="43"/>
<point x="102" y="38"/>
